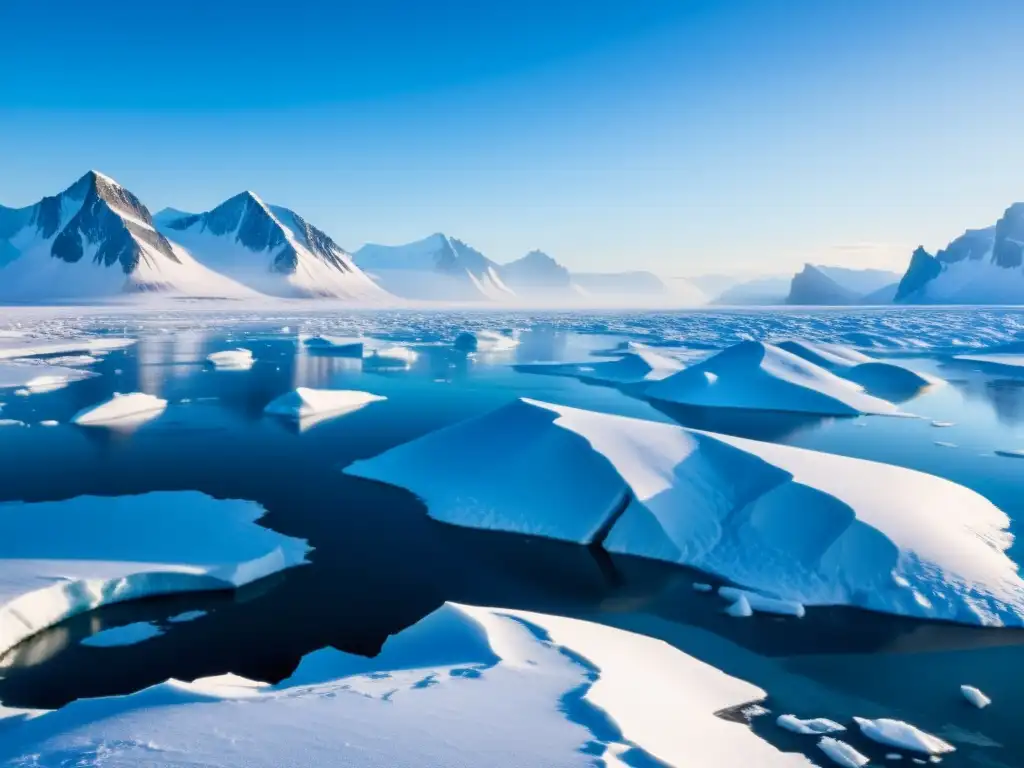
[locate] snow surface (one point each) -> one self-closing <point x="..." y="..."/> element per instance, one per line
<point x="129" y="634"/>
<point x="896" y="733"/>
<point x="974" y="696"/>
<point x="58" y="559"/>
<point x="758" y="376"/>
<point x="235" y="359"/>
<point x="464" y="686"/>
<point x="303" y="402"/>
<point x="130" y="408"/>
<point x="802" y="526"/>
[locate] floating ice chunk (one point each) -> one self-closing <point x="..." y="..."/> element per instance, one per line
<point x="700" y="587"/>
<point x="763" y="603"/>
<point x="131" y="408"/>
<point x="974" y="696"/>
<point x="49" y="423"/>
<point x="485" y="341"/>
<point x="637" y="365"/>
<point x="944" y="444"/>
<point x="33" y="378"/>
<point x="390" y="357"/>
<point x="758" y="376"/>
<point x="11" y="423"/>
<point x="181" y="618"/>
<point x="740" y="608"/>
<point x="807" y="527"/>
<point x="896" y="733"/>
<point x="305" y="402"/>
<point x="1010" y="453"/>
<point x="130" y="634"/>
<point x="336" y="345"/>
<point x="24" y="347"/>
<point x="893" y="756"/>
<point x="816" y="725"/>
<point x="943" y="424"/>
<point x="841" y="753"/>
<point x="238" y="359"/>
<point x="831" y="356"/>
<point x="59" y="559"/>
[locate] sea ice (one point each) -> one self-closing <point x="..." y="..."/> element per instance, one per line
<point x="815" y="725"/>
<point x="896" y="733"/>
<point x="464" y="686"/>
<point x="130" y="634"/>
<point x="48" y="423"/>
<point x="883" y="379"/>
<point x="58" y="559"/>
<point x="30" y="347"/>
<point x="1006" y="360"/>
<point x="337" y="345"/>
<point x="133" y="407"/>
<point x="34" y="378"/>
<point x="485" y="341"/>
<point x="841" y="753"/>
<point x="757" y="376"/>
<point x="1010" y="453"/>
<point x="974" y="696"/>
<point x="389" y="357"/>
<point x="701" y="587"/>
<point x="802" y="526"/>
<point x="235" y="359"/>
<point x="305" y="402"/>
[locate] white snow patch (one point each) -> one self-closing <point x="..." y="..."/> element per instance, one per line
<point x="131" y="408"/>
<point x="58" y="559"/>
<point x="129" y="634"/>
<point x="896" y="733"/>
<point x="802" y="526"/>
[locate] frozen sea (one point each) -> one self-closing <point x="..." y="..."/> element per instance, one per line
<point x="380" y="564"/>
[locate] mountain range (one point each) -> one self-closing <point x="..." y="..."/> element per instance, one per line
<point x="96" y="240"/>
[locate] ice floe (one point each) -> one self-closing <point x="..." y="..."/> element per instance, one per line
<point x="235" y="359"/>
<point x="396" y="356"/>
<point x="762" y="603"/>
<point x="129" y="634"/>
<point x="485" y="341"/>
<point x="337" y="345"/>
<point x="974" y="696"/>
<point x="841" y="753"/>
<point x="801" y="526"/>
<point x="896" y="733"/>
<point x="187" y="616"/>
<point x="815" y="725"/>
<point x="58" y="559"/>
<point x="38" y="378"/>
<point x="463" y="686"/>
<point x="17" y="346"/>
<point x="129" y="408"/>
<point x="740" y="608"/>
<point x="303" y="402"/>
<point x="1010" y="453"/>
<point x="758" y="376"/>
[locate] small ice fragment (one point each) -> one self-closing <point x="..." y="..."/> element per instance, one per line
<point x="232" y="358"/>
<point x="1013" y="453"/>
<point x="700" y="587"/>
<point x="181" y="618"/>
<point x="894" y="756"/>
<point x="303" y="401"/>
<point x="896" y="733"/>
<point x="764" y="604"/>
<point x="740" y="609"/>
<point x="943" y="424"/>
<point x="22" y="392"/>
<point x="974" y="696"/>
<point x="943" y="444"/>
<point x="118" y="371"/>
<point x="49" y="423"/>
<point x="11" y="423"/>
<point x="815" y="725"/>
<point x="841" y="753"/>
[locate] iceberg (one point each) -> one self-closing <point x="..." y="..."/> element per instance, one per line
<point x="59" y="559"/>
<point x="121" y="409"/>
<point x="815" y="725"/>
<point x="389" y="357"/>
<point x="1009" y="360"/>
<point x="896" y="733"/>
<point x="758" y="376"/>
<point x="464" y="686"/>
<point x="234" y="359"/>
<point x="304" y="402"/>
<point x="974" y="696"/>
<point x="789" y="524"/>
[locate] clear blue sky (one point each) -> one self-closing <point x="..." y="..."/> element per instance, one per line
<point x="686" y="136"/>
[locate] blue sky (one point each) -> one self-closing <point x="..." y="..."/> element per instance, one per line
<point x="685" y="136"/>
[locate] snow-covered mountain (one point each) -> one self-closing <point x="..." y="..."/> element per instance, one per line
<point x="271" y="249"/>
<point x="437" y="268"/>
<point x="537" y="274"/>
<point x="835" y="286"/>
<point x="982" y="266"/>
<point x="95" y="240"/>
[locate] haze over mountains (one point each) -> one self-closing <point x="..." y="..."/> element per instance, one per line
<point x="96" y="241"/>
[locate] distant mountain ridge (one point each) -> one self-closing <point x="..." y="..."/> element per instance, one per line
<point x="840" y="286"/>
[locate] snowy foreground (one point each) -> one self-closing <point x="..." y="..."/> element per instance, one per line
<point x="467" y="686"/>
<point x="59" y="559"/>
<point x="802" y="526"/>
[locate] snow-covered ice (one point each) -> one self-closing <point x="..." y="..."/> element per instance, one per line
<point x="974" y="696"/>
<point x="129" y="634"/>
<point x="338" y="345"/>
<point x="896" y="733"/>
<point x="802" y="526"/>
<point x="129" y="408"/>
<point x="758" y="376"/>
<point x="235" y="359"/>
<point x="304" y="402"/>
<point x="61" y="558"/>
<point x="25" y="346"/>
<point x="816" y="725"/>
<point x="841" y="753"/>
<point x="463" y="686"/>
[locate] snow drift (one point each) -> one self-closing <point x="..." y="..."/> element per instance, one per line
<point x="58" y="559"/>
<point x="798" y="525"/>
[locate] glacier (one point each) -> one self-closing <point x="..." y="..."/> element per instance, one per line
<point x="62" y="558"/>
<point x="798" y="525"/>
